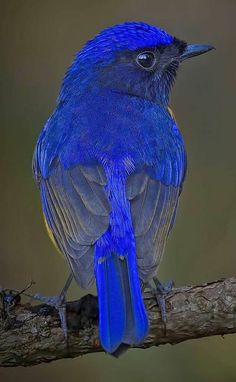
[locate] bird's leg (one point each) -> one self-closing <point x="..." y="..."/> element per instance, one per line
<point x="160" y="291"/>
<point x="58" y="302"/>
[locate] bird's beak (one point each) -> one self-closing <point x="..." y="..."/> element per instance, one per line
<point x="193" y="50"/>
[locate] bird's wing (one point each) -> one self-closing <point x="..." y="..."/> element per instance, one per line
<point x="153" y="207"/>
<point x="153" y="195"/>
<point x="76" y="211"/>
<point x="74" y="201"/>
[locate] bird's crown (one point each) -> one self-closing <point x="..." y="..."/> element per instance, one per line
<point x="129" y="35"/>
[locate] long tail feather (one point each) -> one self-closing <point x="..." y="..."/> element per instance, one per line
<point x="122" y="315"/>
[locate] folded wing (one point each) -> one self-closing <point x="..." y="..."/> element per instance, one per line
<point x="153" y="194"/>
<point x="153" y="206"/>
<point x="76" y="210"/>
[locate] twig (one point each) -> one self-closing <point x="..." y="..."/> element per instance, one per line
<point x="30" y="335"/>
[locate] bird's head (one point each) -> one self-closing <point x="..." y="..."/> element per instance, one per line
<point x="132" y="58"/>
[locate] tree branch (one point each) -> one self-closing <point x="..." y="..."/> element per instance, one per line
<point x="30" y="334"/>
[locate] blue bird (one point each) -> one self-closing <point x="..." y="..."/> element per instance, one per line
<point x="110" y="164"/>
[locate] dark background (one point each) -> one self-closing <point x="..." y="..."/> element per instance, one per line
<point x="38" y="41"/>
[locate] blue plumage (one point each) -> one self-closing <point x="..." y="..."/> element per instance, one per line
<point x="110" y="163"/>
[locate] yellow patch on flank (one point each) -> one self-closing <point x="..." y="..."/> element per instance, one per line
<point x="50" y="234"/>
<point x="171" y="113"/>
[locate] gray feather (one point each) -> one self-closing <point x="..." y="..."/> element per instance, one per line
<point x="153" y="208"/>
<point x="77" y="210"/>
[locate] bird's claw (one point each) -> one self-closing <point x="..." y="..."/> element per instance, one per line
<point x="160" y="291"/>
<point x="58" y="303"/>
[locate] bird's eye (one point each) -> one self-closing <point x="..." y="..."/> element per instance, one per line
<point x="146" y="60"/>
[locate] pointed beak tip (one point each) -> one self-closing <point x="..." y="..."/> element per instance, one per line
<point x="208" y="48"/>
<point x="193" y="50"/>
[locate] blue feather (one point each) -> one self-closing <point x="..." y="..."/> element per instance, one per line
<point x="122" y="315"/>
<point x="111" y="302"/>
<point x="110" y="152"/>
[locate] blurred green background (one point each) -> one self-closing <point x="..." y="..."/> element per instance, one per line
<point x="38" y="41"/>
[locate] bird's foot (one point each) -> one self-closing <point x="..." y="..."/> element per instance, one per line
<point x="58" y="303"/>
<point x="160" y="291"/>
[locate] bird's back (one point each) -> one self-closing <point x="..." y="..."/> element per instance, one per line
<point x="75" y="157"/>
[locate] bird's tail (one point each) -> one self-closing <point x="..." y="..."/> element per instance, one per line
<point x="122" y="314"/>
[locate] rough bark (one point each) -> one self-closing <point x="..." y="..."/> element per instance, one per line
<point x="30" y="334"/>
